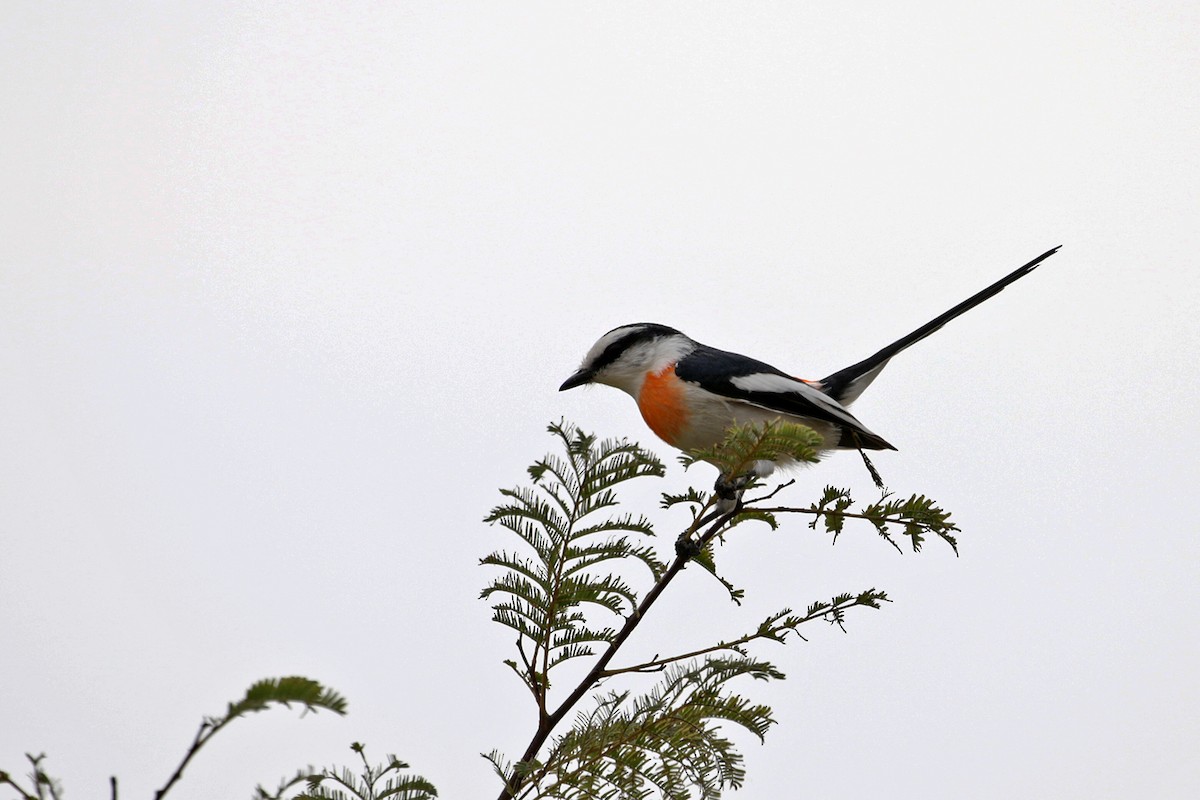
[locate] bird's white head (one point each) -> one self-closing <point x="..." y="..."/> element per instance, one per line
<point x="625" y="355"/>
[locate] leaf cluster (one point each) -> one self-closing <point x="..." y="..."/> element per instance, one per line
<point x="916" y="518"/>
<point x="385" y="781"/>
<point x="744" y="446"/>
<point x="550" y="590"/>
<point x="260" y="696"/>
<point x="665" y="743"/>
<point x="284" y="691"/>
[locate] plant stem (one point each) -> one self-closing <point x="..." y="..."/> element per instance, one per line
<point x="206" y="732"/>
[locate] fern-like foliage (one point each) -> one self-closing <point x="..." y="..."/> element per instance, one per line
<point x="548" y="591"/>
<point x="379" y="782"/>
<point x="666" y="743"/>
<point x="259" y="697"/>
<point x="285" y="691"/>
<point x="745" y="445"/>
<point x="917" y="517"/>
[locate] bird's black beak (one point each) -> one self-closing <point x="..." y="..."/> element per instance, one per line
<point x="578" y="379"/>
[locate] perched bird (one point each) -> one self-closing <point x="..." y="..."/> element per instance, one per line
<point x="690" y="394"/>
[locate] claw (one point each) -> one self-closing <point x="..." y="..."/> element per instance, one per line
<point x="685" y="546"/>
<point x="732" y="488"/>
<point x="729" y="491"/>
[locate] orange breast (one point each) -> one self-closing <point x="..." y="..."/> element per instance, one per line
<point x="662" y="404"/>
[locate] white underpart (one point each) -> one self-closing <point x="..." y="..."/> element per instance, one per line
<point x="763" y="469"/>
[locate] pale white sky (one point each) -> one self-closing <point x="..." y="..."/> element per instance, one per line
<point x="286" y="293"/>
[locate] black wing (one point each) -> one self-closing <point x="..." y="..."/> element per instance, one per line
<point x="747" y="380"/>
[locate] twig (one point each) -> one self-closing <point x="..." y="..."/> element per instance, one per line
<point x="773" y="492"/>
<point x="529" y="676"/>
<point x="6" y="780"/>
<point x="659" y="663"/>
<point x="206" y="732"/>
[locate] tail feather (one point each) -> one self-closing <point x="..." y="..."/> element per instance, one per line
<point x="857" y="439"/>
<point x="847" y="384"/>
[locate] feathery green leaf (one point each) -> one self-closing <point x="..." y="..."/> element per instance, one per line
<point x="557" y="580"/>
<point x="777" y="441"/>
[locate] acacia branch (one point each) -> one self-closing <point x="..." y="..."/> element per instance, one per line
<point x="773" y="632"/>
<point x="548" y="722"/>
<point x="875" y="519"/>
<point x="660" y="663"/>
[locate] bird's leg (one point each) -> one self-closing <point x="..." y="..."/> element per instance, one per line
<point x="729" y="493"/>
<point x="729" y="490"/>
<point x="686" y="546"/>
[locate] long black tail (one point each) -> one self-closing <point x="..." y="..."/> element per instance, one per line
<point x="847" y="384"/>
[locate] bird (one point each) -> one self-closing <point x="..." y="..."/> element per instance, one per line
<point x="691" y="394"/>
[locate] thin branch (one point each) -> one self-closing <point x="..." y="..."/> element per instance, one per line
<point x="5" y="779"/>
<point x="658" y="664"/>
<point x="206" y="732"/>
<point x="772" y="493"/>
<point x="527" y="677"/>
<point x="763" y="633"/>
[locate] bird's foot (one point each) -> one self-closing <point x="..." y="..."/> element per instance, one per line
<point x="687" y="547"/>
<point x="729" y="490"/>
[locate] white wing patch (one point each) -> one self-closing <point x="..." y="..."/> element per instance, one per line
<point x="781" y="384"/>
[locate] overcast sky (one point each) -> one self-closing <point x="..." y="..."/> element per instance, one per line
<point x="286" y="294"/>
